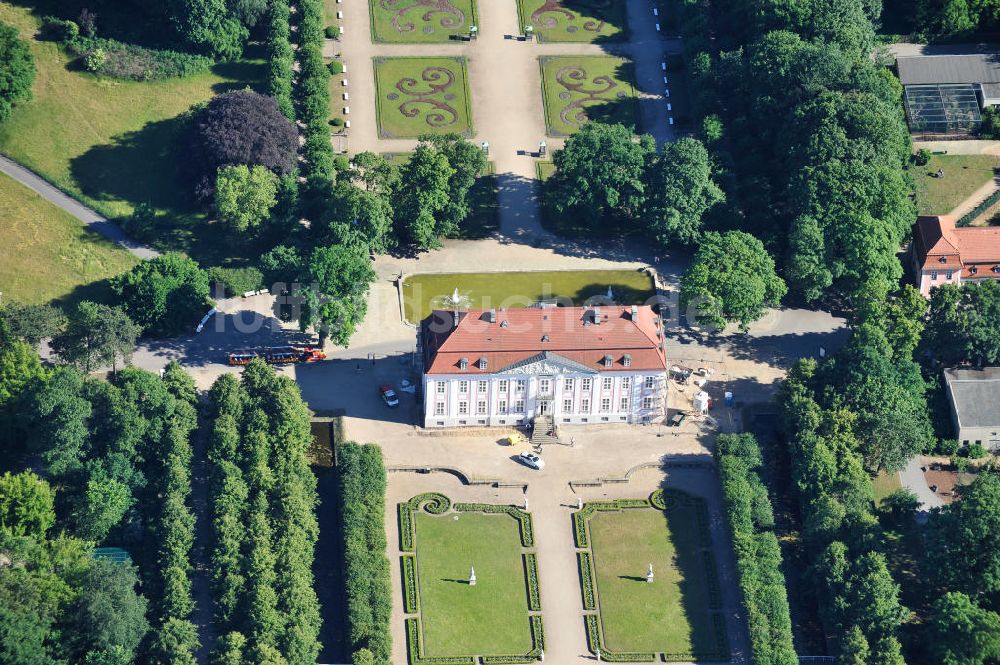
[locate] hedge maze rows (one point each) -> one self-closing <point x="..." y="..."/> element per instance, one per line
<point x="439" y="505"/>
<point x="665" y="501"/>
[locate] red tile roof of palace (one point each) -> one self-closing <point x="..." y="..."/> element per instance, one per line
<point x="937" y="238"/>
<point x="521" y="334"/>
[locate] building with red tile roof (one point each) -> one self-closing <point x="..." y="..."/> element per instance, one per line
<point x="946" y="254"/>
<point x="578" y="365"/>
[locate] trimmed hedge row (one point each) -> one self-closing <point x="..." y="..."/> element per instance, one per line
<point x="280" y="57"/>
<point x="758" y="554"/>
<point x="587" y="581"/>
<point x="594" y="642"/>
<point x="982" y="207"/>
<point x="313" y="94"/>
<point x="432" y="502"/>
<point x="537" y="645"/>
<point x="366" y="566"/>
<point x="531" y="577"/>
<point x="411" y="597"/>
<point x="660" y="499"/>
<point x="523" y="519"/>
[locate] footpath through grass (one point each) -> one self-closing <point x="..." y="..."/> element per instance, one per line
<point x="423" y="292"/>
<point x="114" y="144"/>
<point x="963" y="175"/>
<point x="671" y="615"/>
<point x="48" y="254"/>
<point x="462" y="620"/>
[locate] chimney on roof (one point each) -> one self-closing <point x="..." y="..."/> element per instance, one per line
<point x="635" y="312"/>
<point x="492" y="316"/>
<point x="597" y="316"/>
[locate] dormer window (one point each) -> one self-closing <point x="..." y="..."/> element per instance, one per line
<point x="973" y="270"/>
<point x="995" y="268"/>
<point x="463" y="363"/>
<point x="482" y="364"/>
<point x="943" y="259"/>
<point x="608" y="360"/>
<point x="545" y="338"/>
<point x="627" y="360"/>
<point x="504" y="324"/>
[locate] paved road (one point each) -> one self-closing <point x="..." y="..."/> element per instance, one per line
<point x="504" y="81"/>
<point x="88" y="216"/>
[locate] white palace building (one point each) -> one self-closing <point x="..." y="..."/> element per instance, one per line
<point x="577" y="365"/>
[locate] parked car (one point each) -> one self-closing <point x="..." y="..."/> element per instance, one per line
<point x="388" y="395"/>
<point x="532" y="460"/>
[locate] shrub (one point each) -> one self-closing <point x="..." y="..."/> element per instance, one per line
<point x="129" y="62"/>
<point x="17" y="70"/>
<point x="336" y="67"/>
<point x="59" y="30"/>
<point x="976" y="451"/>
<point x="337" y="122"/>
<point x="922" y="157"/>
<point x="165" y="295"/>
<point x="141" y="225"/>
<point x="331" y="32"/>
<point x="948" y="447"/>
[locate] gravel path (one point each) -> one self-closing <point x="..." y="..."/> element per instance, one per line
<point x="88" y="216"/>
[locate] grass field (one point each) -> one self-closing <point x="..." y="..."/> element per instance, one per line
<point x="544" y="170"/>
<point x="576" y="89"/>
<point x="963" y="175"/>
<point x="462" y="620"/>
<point x="671" y="615"/>
<point x="409" y="21"/>
<point x="113" y="144"/>
<point x="574" y="20"/>
<point x="421" y="293"/>
<point x="884" y="485"/>
<point x="48" y="254"/>
<point x="422" y="96"/>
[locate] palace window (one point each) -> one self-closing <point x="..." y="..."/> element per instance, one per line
<point x="502" y="407"/>
<point x="463" y="408"/>
<point x="626" y="382"/>
<point x="647" y="403"/>
<point x="463" y="386"/>
<point x="650" y="382"/>
<point x="568" y="384"/>
<point x="624" y="404"/>
<point x="584" y="405"/>
<point x="627" y="360"/>
<point x="503" y="385"/>
<point x="520" y="385"/>
<point x="482" y="386"/>
<point x="481" y="407"/>
<point x="567" y="406"/>
<point x="585" y="385"/>
<point x="439" y="409"/>
<point x="440" y="387"/>
<point x="605" y="405"/>
<point x="544" y="386"/>
<point x="608" y="382"/>
<point x="519" y="406"/>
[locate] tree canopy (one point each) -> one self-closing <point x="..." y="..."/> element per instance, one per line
<point x="680" y="191"/>
<point x="17" y="70"/>
<point x="244" y="196"/>
<point x="336" y="294"/>
<point x="732" y="278"/>
<point x="165" y="295"/>
<point x="962" y="323"/>
<point x="97" y="336"/>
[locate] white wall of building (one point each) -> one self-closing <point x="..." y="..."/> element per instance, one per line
<point x="570" y="398"/>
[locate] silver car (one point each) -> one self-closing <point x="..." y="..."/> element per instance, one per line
<point x="532" y="460"/>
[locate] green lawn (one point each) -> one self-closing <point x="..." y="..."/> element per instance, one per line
<point x="963" y="175"/>
<point x="884" y="485"/>
<point x="574" y="20"/>
<point x="113" y="144"/>
<point x="576" y="89"/>
<point x="422" y="293"/>
<point x="462" y="620"/>
<point x="414" y="21"/>
<point x="48" y="254"/>
<point x="422" y="96"/>
<point x="544" y="170"/>
<point x="672" y="614"/>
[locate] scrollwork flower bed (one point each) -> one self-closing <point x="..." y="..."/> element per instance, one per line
<point x="417" y="96"/>
<point x="577" y="89"/>
<point x="421" y="21"/>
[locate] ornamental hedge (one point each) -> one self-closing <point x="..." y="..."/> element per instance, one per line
<point x="411" y="596"/>
<point x="523" y="519"/>
<point x="362" y="509"/>
<point x="587" y="581"/>
<point x="531" y="578"/>
<point x="758" y="554"/>
<point x="280" y="57"/>
<point x="313" y="93"/>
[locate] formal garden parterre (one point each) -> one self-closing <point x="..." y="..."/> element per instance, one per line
<point x="422" y="96"/>
<point x="574" y="20"/>
<point x="449" y="619"/>
<point x="421" y="21"/>
<point x="675" y="617"/>
<point x="576" y="89"/>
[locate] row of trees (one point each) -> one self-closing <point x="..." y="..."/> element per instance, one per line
<point x="366" y="568"/>
<point x="814" y="135"/>
<point x="119" y="454"/>
<point x="962" y="324"/>
<point x="758" y="554"/>
<point x="263" y="510"/>
<point x="312" y="94"/>
<point x="609" y="183"/>
<point x="949" y="19"/>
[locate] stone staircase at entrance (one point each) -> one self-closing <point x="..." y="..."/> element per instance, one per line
<point x="544" y="431"/>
